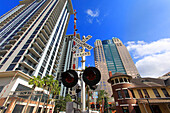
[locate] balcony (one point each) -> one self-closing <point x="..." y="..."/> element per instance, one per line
<point x="55" y="66"/>
<point x="47" y="29"/>
<point x="23" y="28"/>
<point x="12" y="41"/>
<point x="42" y="37"/>
<point x="60" y="48"/>
<point x="25" y="64"/>
<point x="26" y="25"/>
<point x="29" y="22"/>
<point x="8" y="46"/>
<point x="29" y="57"/>
<point x="56" y="62"/>
<point x="3" y="52"/>
<point x="20" y="32"/>
<point x="37" y="47"/>
<point x="53" y="70"/>
<point x="16" y="37"/>
<point x="49" y="26"/>
<point x="54" y="74"/>
<point x="50" y="23"/>
<point x="40" y="42"/>
<point x="1" y="57"/>
<point x="57" y="57"/>
<point x="45" y="34"/>
<point x="32" y="50"/>
<point x="58" y="54"/>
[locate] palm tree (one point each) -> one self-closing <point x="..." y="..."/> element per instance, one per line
<point x="36" y="82"/>
<point x="56" y="89"/>
<point x="50" y="83"/>
<point x="60" y="104"/>
<point x="101" y="95"/>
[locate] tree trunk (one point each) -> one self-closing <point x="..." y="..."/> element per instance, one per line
<point x="88" y="100"/>
<point x="28" y="101"/>
<point x="39" y="103"/>
<point x="48" y="100"/>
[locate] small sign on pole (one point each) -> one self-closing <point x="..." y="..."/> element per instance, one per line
<point x="82" y="54"/>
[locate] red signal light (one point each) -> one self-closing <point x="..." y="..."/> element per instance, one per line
<point x="97" y="106"/>
<point x="69" y="78"/>
<point x="92" y="106"/>
<point x="91" y="76"/>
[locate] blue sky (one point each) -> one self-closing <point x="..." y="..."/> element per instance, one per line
<point x="142" y="25"/>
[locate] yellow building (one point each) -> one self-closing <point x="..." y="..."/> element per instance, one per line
<point x="140" y="95"/>
<point x="152" y="94"/>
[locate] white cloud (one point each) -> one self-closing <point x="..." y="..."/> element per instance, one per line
<point x="90" y="20"/>
<point x="152" y="58"/>
<point x="93" y="13"/>
<point x="154" y="65"/>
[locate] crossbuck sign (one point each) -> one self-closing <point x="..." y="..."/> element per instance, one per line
<point x="82" y="43"/>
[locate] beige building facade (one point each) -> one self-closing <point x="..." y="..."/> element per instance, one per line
<point x="127" y="61"/>
<point x="100" y="63"/>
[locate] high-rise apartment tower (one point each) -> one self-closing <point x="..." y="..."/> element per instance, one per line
<point x="31" y="41"/>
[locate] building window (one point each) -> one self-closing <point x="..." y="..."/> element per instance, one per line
<point x="21" y="52"/>
<point x="125" y="109"/>
<point x="119" y="94"/>
<point x="165" y="92"/>
<point x="125" y="79"/>
<point x="132" y="93"/>
<point x="42" y="69"/>
<point x="112" y="81"/>
<point x="5" y="60"/>
<point x="11" y="67"/>
<point x="146" y="93"/>
<point x="126" y="93"/>
<point x="16" y="59"/>
<point x="25" y="46"/>
<point x="156" y="92"/>
<point x="26" y="70"/>
<point x="140" y="93"/>
<point x="121" y="80"/>
<point x="1" y="88"/>
<point x="116" y="80"/>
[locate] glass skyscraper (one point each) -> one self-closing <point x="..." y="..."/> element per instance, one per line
<point x="113" y="60"/>
<point x="112" y="55"/>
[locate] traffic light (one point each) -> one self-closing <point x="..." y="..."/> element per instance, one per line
<point x="92" y="106"/>
<point x="91" y="76"/>
<point x="69" y="78"/>
<point x="98" y="106"/>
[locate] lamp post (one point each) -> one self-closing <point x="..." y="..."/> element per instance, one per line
<point x="149" y="104"/>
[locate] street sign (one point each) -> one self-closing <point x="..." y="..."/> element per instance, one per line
<point x="82" y="43"/>
<point x="81" y="54"/>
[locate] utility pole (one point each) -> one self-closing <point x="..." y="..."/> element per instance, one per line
<point x="83" y="83"/>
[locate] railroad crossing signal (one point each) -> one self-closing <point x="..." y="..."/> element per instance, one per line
<point x="82" y="43"/>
